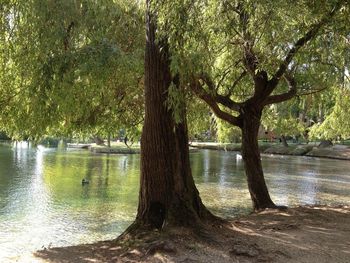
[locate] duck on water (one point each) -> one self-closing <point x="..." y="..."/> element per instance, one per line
<point x="85" y="181"/>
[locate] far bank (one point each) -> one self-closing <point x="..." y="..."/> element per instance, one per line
<point x="341" y="152"/>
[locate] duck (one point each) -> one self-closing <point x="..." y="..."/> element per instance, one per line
<point x="84" y="181"/>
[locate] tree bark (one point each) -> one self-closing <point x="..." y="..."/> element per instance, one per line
<point x="109" y="140"/>
<point x="98" y="140"/>
<point x="284" y="141"/>
<point x="252" y="161"/>
<point x="168" y="195"/>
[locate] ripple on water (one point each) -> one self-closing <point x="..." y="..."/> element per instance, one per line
<point x="43" y="203"/>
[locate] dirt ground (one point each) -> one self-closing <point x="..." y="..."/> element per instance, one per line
<point x="302" y="234"/>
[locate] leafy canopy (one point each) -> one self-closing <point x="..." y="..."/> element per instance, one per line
<point x="70" y="66"/>
<point x="226" y="46"/>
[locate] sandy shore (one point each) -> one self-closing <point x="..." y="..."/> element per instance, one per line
<point x="302" y="234"/>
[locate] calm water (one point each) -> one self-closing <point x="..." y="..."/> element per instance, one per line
<point x="42" y="201"/>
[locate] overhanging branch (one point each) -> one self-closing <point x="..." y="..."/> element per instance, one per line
<point x="302" y="42"/>
<point x="284" y="96"/>
<point x="310" y="92"/>
<point x="197" y="88"/>
<point x="223" y="100"/>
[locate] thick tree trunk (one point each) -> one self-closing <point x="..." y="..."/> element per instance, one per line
<point x="252" y="162"/>
<point x="186" y="207"/>
<point x="168" y="195"/>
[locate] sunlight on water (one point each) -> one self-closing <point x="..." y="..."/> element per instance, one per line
<point x="43" y="203"/>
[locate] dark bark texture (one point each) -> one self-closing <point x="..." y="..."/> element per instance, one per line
<point x="284" y="141"/>
<point x="252" y="160"/>
<point x="168" y="195"/>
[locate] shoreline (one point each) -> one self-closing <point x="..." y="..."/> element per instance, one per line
<point x="338" y="152"/>
<point x="313" y="234"/>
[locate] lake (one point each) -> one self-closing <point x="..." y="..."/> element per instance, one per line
<point x="43" y="203"/>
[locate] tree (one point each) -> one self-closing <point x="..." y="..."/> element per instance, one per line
<point x="74" y="67"/>
<point x="70" y="68"/>
<point x="333" y="121"/>
<point x="168" y="195"/>
<point x="283" y="120"/>
<point x="337" y="123"/>
<point x="241" y="56"/>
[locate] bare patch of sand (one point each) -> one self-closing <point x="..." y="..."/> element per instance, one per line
<point x="302" y="234"/>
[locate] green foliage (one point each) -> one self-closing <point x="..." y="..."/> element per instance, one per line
<point x="281" y="120"/>
<point x="213" y="37"/>
<point x="75" y="67"/>
<point x="176" y="102"/>
<point x="70" y="67"/>
<point x="199" y="119"/>
<point x="227" y="133"/>
<point x="206" y="35"/>
<point x="337" y="123"/>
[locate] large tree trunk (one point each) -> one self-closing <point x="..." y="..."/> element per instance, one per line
<point x="252" y="162"/>
<point x="168" y="195"/>
<point x="186" y="207"/>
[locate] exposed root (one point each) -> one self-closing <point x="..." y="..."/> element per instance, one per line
<point x="303" y="234"/>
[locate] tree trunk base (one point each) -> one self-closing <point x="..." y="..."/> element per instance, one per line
<point x="273" y="206"/>
<point x="138" y="232"/>
<point x="284" y="141"/>
<point x="325" y="144"/>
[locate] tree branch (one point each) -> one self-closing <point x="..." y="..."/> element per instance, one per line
<point x="67" y="36"/>
<point x="310" y="92"/>
<point x="223" y="100"/>
<point x="197" y="88"/>
<point x="227" y="102"/>
<point x="235" y="83"/>
<point x="5" y="101"/>
<point x="284" y="96"/>
<point x="223" y="78"/>
<point x="250" y="59"/>
<point x="302" y="42"/>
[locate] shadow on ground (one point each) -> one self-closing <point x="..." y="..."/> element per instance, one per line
<point x="303" y="234"/>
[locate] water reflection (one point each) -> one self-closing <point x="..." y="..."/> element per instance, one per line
<point x="221" y="182"/>
<point x="43" y="202"/>
<point x="308" y="180"/>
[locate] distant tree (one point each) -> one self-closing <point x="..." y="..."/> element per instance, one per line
<point x="283" y="121"/>
<point x="337" y="123"/>
<point x="199" y="119"/>
<point x="226" y="132"/>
